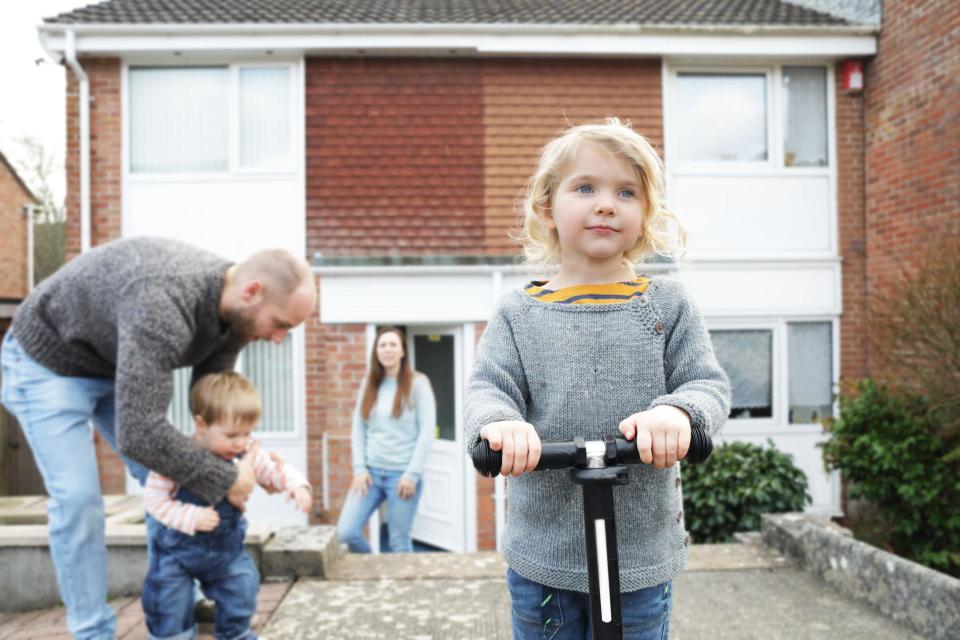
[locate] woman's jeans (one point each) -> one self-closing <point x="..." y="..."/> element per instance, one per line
<point x="55" y="413"/>
<point x="357" y="510"/>
<point x="546" y="613"/>
<point x="217" y="559"/>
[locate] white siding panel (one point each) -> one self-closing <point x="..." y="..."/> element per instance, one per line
<point x="232" y="218"/>
<point x="755" y="215"/>
<point x="751" y="290"/>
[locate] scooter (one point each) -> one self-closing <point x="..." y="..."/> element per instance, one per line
<point x="597" y="466"/>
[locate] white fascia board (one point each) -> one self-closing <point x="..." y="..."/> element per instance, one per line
<point x="470" y="40"/>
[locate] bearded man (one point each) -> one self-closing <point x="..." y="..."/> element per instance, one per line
<point x="97" y="342"/>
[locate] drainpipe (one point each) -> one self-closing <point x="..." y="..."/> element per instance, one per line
<point x="70" y="54"/>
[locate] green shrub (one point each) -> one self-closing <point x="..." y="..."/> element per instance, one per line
<point x="893" y="452"/>
<point x="737" y="484"/>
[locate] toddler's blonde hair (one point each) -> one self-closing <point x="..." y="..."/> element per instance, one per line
<point x="541" y="245"/>
<point x="224" y="397"/>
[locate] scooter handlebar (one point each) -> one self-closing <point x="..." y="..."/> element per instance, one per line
<point x="563" y="454"/>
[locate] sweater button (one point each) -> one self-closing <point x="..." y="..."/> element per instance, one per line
<point x="660" y="328"/>
<point x="643" y="300"/>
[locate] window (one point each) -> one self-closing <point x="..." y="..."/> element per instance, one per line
<point x="775" y="117"/>
<point x="269" y="367"/>
<point x="810" y="375"/>
<point x="805" y="117"/>
<point x="747" y="357"/>
<point x="722" y="117"/>
<point x="178" y="119"/>
<point x="185" y="119"/>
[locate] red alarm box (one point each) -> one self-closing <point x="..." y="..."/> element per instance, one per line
<point x="853" y="76"/>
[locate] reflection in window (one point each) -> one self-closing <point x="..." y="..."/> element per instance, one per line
<point x="434" y="357"/>
<point x="810" y="358"/>
<point x="178" y="119"/>
<point x="722" y="117"/>
<point x="805" y="117"/>
<point x="747" y="357"/>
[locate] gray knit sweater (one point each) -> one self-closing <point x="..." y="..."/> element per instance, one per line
<point x="135" y="310"/>
<point x="578" y="370"/>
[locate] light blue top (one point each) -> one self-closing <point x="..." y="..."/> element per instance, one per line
<point x="398" y="444"/>
<point x="578" y="370"/>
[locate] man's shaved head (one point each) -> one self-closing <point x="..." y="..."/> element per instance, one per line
<point x="280" y="271"/>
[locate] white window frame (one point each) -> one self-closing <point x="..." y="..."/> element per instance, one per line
<point x="779" y="421"/>
<point x="234" y="170"/>
<point x="774" y="165"/>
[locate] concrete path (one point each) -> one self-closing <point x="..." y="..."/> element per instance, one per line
<point x="730" y="592"/>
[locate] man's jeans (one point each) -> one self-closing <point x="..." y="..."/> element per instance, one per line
<point x="546" y="613"/>
<point x="357" y="510"/>
<point x="55" y="413"/>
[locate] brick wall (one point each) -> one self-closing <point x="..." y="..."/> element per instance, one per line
<point x="851" y="230"/>
<point x="912" y="144"/>
<point x="335" y="364"/>
<point x="394" y="156"/>
<point x="13" y="240"/>
<point x="527" y="102"/>
<point x="105" y="184"/>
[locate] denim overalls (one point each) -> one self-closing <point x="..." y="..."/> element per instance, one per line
<point x="217" y="559"/>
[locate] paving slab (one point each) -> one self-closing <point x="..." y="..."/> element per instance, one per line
<point x="729" y="592"/>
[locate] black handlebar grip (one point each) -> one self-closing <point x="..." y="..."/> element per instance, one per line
<point x="562" y="454"/>
<point x="486" y="461"/>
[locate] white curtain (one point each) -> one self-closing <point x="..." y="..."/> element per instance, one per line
<point x="265" y="118"/>
<point x="722" y="117"/>
<point x="805" y="116"/>
<point x="179" y="119"/>
<point x="810" y="363"/>
<point x="270" y="367"/>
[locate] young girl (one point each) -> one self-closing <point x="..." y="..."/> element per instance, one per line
<point x="393" y="427"/>
<point x="190" y="539"/>
<point x="595" y="350"/>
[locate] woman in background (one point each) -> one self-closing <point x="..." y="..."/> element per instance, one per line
<point x="393" y="426"/>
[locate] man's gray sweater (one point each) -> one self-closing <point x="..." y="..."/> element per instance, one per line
<point x="578" y="370"/>
<point x="134" y="310"/>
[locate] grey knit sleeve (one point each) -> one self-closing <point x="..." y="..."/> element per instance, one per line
<point x="695" y="381"/>
<point x="498" y="387"/>
<point x="151" y="333"/>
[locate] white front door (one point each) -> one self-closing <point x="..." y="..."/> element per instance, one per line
<point x="442" y="519"/>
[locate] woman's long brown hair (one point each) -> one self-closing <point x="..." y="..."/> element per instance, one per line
<point x="377" y="373"/>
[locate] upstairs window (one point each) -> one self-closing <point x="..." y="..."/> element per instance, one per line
<point x="210" y="119"/>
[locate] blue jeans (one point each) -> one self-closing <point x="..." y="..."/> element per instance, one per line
<point x="227" y="575"/>
<point x="357" y="510"/>
<point x="55" y="413"/>
<point x="546" y="613"/>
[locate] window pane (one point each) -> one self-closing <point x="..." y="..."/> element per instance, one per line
<point x="179" y="412"/>
<point x="433" y="356"/>
<point x="178" y="119"/>
<point x="810" y="362"/>
<point x="270" y="367"/>
<point x="805" y="117"/>
<point x="265" y="118"/>
<point x="747" y="357"/>
<point x="722" y="117"/>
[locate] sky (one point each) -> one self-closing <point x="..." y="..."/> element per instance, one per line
<point x="33" y="94"/>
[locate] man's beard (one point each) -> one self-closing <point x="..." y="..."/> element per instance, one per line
<point x="242" y="324"/>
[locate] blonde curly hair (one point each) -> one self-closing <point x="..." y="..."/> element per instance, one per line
<point x="540" y="242"/>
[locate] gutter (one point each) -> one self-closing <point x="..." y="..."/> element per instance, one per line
<point x="70" y="54"/>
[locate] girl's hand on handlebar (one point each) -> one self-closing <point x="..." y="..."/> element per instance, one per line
<point x="519" y="443"/>
<point x="662" y="434"/>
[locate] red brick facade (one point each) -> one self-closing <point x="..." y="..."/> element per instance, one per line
<point x="912" y="143"/>
<point x="14" y="196"/>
